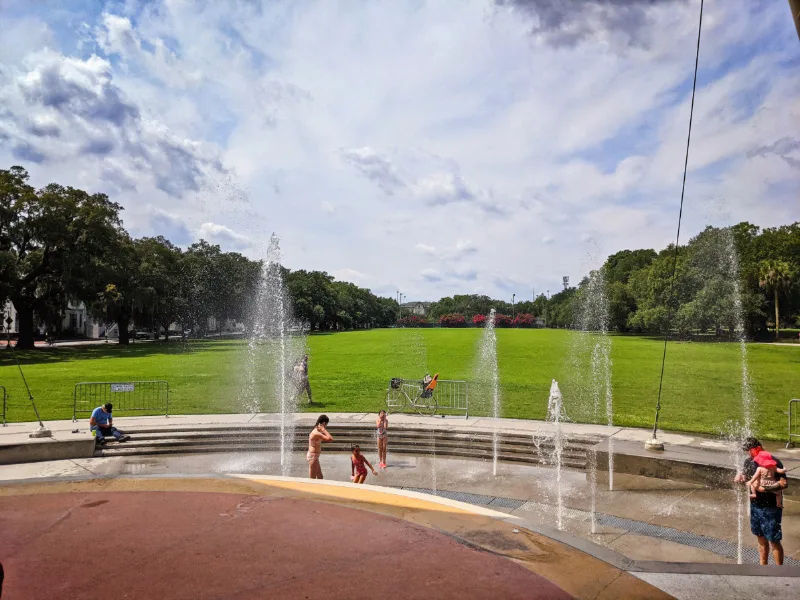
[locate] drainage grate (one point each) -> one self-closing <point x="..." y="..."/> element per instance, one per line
<point x="506" y="503"/>
<point x="467" y="497"/>
<point x="685" y="538"/>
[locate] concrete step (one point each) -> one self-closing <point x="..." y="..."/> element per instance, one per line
<point x="439" y="441"/>
<point x="359" y="435"/>
<point x="300" y="430"/>
<point x="123" y="450"/>
<point x="173" y="437"/>
<point x="274" y="445"/>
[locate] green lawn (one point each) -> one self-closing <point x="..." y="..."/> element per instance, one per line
<point x="349" y="372"/>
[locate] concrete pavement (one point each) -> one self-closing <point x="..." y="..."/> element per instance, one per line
<point x="645" y="503"/>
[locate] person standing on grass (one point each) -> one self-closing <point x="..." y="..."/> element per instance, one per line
<point x="301" y="378"/>
<point x="102" y="423"/>
<point x="382" y="423"/>
<point x="766" y="508"/>
<point x="318" y="435"/>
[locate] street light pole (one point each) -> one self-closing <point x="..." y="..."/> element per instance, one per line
<point x="512" y="305"/>
<point x="794" y="6"/>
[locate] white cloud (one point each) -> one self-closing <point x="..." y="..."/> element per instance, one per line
<point x="431" y="275"/>
<point x="117" y="36"/>
<point x="375" y="167"/>
<point x="429" y="146"/>
<point x="225" y="236"/>
<point x="351" y="275"/>
<point x="62" y="110"/>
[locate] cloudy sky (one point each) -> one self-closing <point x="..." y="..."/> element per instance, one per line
<point x="430" y="146"/>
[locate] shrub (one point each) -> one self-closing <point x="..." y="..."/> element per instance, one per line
<point x="502" y="320"/>
<point x="479" y="320"/>
<point x="412" y="321"/>
<point x="453" y="320"/>
<point x="524" y="320"/>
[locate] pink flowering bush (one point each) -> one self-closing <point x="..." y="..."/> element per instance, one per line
<point x="502" y="320"/>
<point x="412" y="321"/>
<point x="479" y="320"/>
<point x="524" y="320"/>
<point x="453" y="320"/>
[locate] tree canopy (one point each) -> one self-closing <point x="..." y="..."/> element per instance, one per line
<point x="61" y="244"/>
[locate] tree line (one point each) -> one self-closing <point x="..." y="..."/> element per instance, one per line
<point x="729" y="281"/>
<point x="60" y="244"/>
<point x="724" y="282"/>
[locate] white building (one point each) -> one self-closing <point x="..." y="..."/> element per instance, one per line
<point x="76" y="319"/>
<point x="416" y="308"/>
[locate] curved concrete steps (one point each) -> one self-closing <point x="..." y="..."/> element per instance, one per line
<point x="512" y="447"/>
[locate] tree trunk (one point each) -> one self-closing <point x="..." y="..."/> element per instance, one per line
<point x="123" y="323"/>
<point x="25" y="322"/>
<point x="777" y="322"/>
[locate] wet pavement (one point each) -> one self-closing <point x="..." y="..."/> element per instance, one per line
<point x="224" y="545"/>
<point x="645" y="507"/>
<point x="278" y="537"/>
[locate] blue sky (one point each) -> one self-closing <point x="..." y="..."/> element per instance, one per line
<point x="432" y="147"/>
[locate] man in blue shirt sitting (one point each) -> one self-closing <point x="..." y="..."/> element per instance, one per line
<point x="102" y="423"/>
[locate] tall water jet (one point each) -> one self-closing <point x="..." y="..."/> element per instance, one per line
<point x="593" y="340"/>
<point x="488" y="377"/>
<point x="716" y="267"/>
<point x="277" y="340"/>
<point x="730" y="270"/>
<point x="556" y="415"/>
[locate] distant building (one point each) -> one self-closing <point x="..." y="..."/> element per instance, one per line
<point x="416" y="308"/>
<point x="76" y="319"/>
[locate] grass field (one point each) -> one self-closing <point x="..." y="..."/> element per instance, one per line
<point x="349" y="372"/>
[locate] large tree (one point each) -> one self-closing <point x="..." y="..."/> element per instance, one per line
<point x="125" y="296"/>
<point x="775" y="276"/>
<point x="160" y="272"/>
<point x="50" y="243"/>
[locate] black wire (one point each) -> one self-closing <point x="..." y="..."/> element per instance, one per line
<point x="25" y="381"/>
<point x="680" y="217"/>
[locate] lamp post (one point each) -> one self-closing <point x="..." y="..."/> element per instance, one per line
<point x="512" y="305"/>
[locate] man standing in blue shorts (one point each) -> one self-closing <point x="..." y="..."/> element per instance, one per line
<point x="766" y="509"/>
<point x="102" y="422"/>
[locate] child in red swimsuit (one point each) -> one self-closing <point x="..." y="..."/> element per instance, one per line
<point x="358" y="470"/>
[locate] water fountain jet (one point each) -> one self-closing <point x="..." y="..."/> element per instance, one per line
<point x="272" y="341"/>
<point x="555" y="415"/>
<point x="487" y="372"/>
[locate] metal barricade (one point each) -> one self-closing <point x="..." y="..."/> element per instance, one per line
<point x="126" y="396"/>
<point x="794" y="422"/>
<point x="5" y="397"/>
<point x="451" y="396"/>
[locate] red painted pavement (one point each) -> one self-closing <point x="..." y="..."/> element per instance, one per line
<point x="213" y="545"/>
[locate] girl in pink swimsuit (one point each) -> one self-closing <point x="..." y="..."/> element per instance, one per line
<point x="358" y="470"/>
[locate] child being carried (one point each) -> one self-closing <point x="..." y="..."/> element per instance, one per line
<point x="765" y="473"/>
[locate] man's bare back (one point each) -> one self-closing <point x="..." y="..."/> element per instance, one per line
<point x="318" y="435"/>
